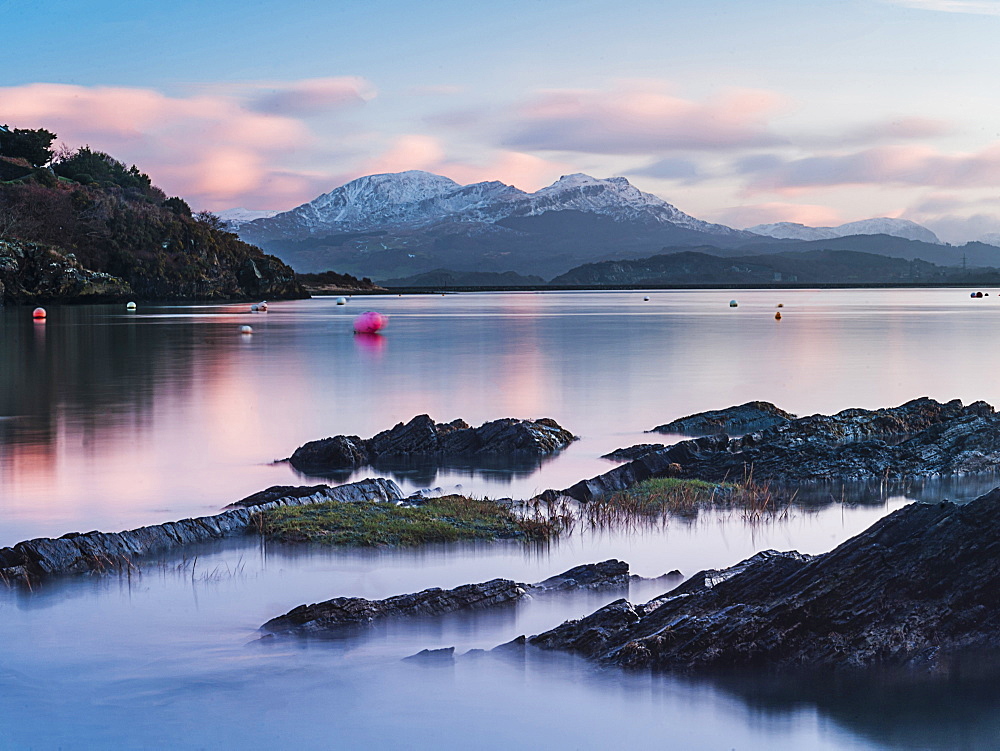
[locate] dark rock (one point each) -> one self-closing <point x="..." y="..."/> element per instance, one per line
<point x="32" y="273"/>
<point x="346" y="611"/>
<point x="94" y="552"/>
<point x="922" y="438"/>
<point x="421" y="437"/>
<point x="633" y="452"/>
<point x="275" y="492"/>
<point x="589" y="576"/>
<point x="745" y="418"/>
<point x="342" y="611"/>
<point x="917" y="589"/>
<point x="443" y="656"/>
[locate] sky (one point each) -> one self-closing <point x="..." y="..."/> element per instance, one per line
<point x="742" y="113"/>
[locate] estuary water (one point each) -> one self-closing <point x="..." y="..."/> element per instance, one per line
<point x="110" y="420"/>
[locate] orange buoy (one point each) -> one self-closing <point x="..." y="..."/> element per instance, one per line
<point x="38" y="313"/>
<point x="777" y="316"/>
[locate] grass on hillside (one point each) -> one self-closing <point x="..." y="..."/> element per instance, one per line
<point x="447" y="519"/>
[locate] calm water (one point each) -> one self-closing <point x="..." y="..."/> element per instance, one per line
<point x="109" y="420"/>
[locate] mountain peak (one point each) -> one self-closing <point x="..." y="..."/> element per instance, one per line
<point x="903" y="228"/>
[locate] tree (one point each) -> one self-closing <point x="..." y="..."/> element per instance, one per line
<point x="23" y="143"/>
<point x="177" y="205"/>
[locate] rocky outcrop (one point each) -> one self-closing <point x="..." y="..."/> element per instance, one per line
<point x="922" y="438"/>
<point x="347" y="611"/>
<point x="422" y="438"/>
<point x="33" y="273"/>
<point x="632" y="453"/>
<point x="745" y="418"/>
<point x="916" y="589"/>
<point x="92" y="552"/>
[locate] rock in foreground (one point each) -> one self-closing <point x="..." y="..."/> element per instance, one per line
<point x="745" y="418"/>
<point x="345" y="611"/>
<point x="422" y="438"/>
<point x="922" y="438"/>
<point x="915" y="589"/>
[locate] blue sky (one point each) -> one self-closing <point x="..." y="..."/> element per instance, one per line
<point x="737" y="112"/>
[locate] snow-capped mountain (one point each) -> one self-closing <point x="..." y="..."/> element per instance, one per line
<point x="880" y="226"/>
<point x="235" y="218"/>
<point x="416" y="199"/>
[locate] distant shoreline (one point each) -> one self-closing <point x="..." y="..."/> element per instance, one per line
<point x="675" y="287"/>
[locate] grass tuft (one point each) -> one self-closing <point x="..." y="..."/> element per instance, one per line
<point x="446" y="519"/>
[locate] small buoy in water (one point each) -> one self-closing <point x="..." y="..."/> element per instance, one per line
<point x="979" y="294"/>
<point x="130" y="306"/>
<point x="972" y="294"/>
<point x="246" y="330"/>
<point x="341" y="301"/>
<point x="645" y="299"/>
<point x="263" y="306"/>
<point x="254" y="308"/>
<point x="369" y="322"/>
<point x="777" y="316"/>
<point x="38" y="313"/>
<point x="781" y="304"/>
<point x="733" y="304"/>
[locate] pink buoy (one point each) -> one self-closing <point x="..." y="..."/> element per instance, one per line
<point x="38" y="313"/>
<point x="369" y="322"/>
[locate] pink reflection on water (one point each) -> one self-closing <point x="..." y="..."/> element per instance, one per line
<point x="373" y="343"/>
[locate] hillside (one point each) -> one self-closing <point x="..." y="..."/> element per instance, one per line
<point x="87" y="213"/>
<point x="696" y="266"/>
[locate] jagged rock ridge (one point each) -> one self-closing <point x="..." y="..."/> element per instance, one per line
<point x="916" y="589"/>
<point x="922" y="438"/>
<point x="421" y="437"/>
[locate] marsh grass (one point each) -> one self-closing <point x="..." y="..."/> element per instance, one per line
<point x="446" y="519"/>
<point x="656" y="499"/>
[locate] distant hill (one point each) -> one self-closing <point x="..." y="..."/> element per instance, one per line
<point x="111" y="233"/>
<point x="447" y="278"/>
<point x="809" y="267"/>
<point x="971" y="254"/>
<point x="880" y="226"/>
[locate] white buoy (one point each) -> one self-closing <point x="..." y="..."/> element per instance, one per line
<point x="263" y="306"/>
<point x="246" y="330"/>
<point x="254" y="308"/>
<point x="341" y="301"/>
<point x="130" y="306"/>
<point x="645" y="299"/>
<point x="38" y="313"/>
<point x="733" y="304"/>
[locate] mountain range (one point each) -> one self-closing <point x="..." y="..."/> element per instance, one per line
<point x="402" y="225"/>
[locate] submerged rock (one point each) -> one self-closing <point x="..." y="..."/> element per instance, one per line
<point x="744" y="418"/>
<point x="922" y="438"/>
<point x="916" y="589"/>
<point x="421" y="437"/>
<point x="346" y="611"/>
<point x="81" y="553"/>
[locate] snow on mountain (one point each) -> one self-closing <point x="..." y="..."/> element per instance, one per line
<point x="418" y="199"/>
<point x="234" y="218"/>
<point x="879" y="226"/>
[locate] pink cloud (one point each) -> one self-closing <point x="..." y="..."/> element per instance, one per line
<point x="900" y="165"/>
<point x="643" y="119"/>
<point x="768" y="213"/>
<point x="423" y="152"/>
<point x="311" y="96"/>
<point x="211" y="148"/>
